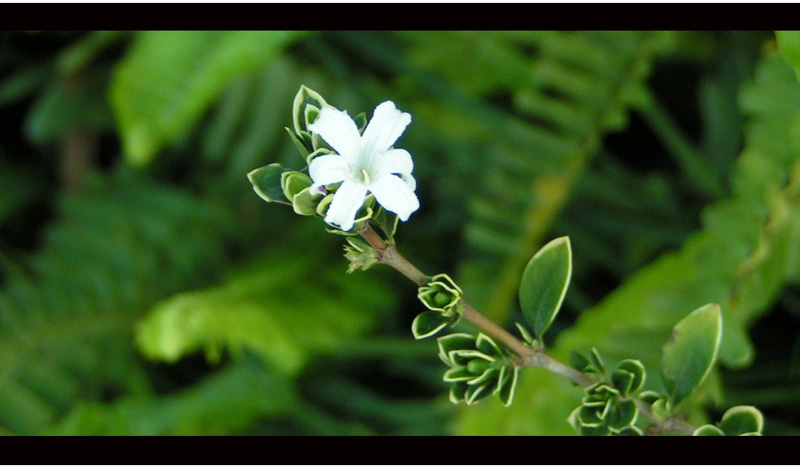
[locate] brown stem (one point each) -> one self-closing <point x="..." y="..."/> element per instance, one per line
<point x="527" y="356"/>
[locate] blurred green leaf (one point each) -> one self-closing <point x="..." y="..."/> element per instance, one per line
<point x="282" y="308"/>
<point x="229" y="400"/>
<point x="691" y="353"/>
<point x="544" y="284"/>
<point x="158" y="93"/>
<point x="789" y="43"/>
<point x="741" y="420"/>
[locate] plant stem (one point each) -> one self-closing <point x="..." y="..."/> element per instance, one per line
<point x="526" y="356"/>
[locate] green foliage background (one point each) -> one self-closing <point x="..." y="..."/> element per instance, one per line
<point x="145" y="289"/>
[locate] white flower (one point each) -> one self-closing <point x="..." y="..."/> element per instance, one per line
<point x="364" y="163"/>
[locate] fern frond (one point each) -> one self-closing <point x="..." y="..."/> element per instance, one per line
<point x="117" y="247"/>
<point x="570" y="89"/>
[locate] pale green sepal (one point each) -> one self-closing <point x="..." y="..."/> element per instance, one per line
<point x="301" y="146"/>
<point x="631" y="431"/>
<point x="305" y="97"/>
<point x="661" y="408"/>
<point x="361" y="121"/>
<point x="526" y="335"/>
<point x="304" y="203"/>
<point x="689" y="356"/>
<point x="597" y="361"/>
<point x="386" y="222"/>
<point x="487" y="376"/>
<point x="462" y="356"/>
<point x="508" y="385"/>
<point x="708" y="430"/>
<point x="455" y="341"/>
<point x="598" y="430"/>
<point x="311" y="113"/>
<point x="544" y="284"/>
<point x="578" y="360"/>
<point x="741" y="420"/>
<point x="428" y="324"/>
<point x="457" y="374"/>
<point x="650" y="396"/>
<point x="322" y="206"/>
<point x="359" y="253"/>
<point x="267" y="182"/>
<point x="572" y="419"/>
<point x="588" y="416"/>
<point x="292" y="182"/>
<point x="458" y="391"/>
<point x="487" y="345"/>
<point x="758" y="434"/>
<point x="317" y="143"/>
<point x="319" y="152"/>
<point x="476" y="393"/>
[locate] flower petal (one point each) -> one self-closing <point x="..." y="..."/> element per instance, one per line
<point x="329" y="169"/>
<point x="395" y="161"/>
<point x="395" y="195"/>
<point x="339" y="131"/>
<point x="345" y="205"/>
<point x="385" y="127"/>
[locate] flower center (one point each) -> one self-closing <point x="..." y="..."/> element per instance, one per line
<point x="363" y="176"/>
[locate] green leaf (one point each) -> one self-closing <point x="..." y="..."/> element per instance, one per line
<point x="168" y="79"/>
<point x="789" y="44"/>
<point x="428" y="324"/>
<point x="691" y="353"/>
<point x="708" y="430"/>
<point x="267" y="182"/>
<point x="741" y="420"/>
<point x="279" y="308"/>
<point x="622" y="415"/>
<point x="544" y="284"/>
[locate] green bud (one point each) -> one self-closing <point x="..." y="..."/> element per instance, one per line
<point x="478" y="367"/>
<point x="441" y="294"/>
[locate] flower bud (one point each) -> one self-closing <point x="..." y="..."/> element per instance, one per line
<point x="441" y="294"/>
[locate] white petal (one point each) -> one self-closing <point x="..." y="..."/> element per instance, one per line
<point x="385" y="127"/>
<point x="410" y="181"/>
<point x="339" y="131"/>
<point x="395" y="161"/>
<point x="345" y="205"/>
<point x="329" y="169"/>
<point x="395" y="195"/>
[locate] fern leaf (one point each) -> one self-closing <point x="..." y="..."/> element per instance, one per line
<point x="115" y="248"/>
<point x="577" y="89"/>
